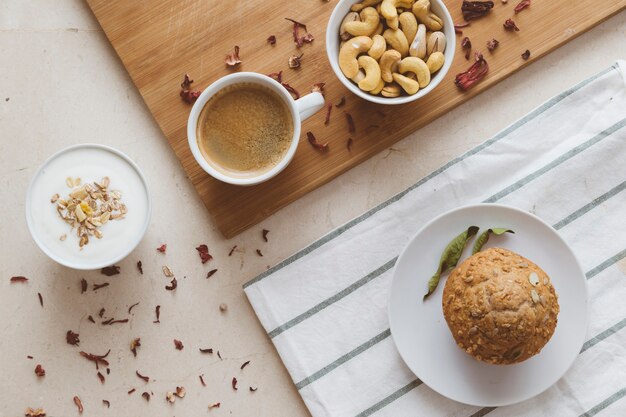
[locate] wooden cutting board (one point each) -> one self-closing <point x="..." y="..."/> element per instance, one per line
<point x="161" y="40"/>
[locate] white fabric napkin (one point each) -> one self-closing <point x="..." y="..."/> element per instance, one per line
<point x="325" y="308"/>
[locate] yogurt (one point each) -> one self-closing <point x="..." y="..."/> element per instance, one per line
<point x="89" y="162"/>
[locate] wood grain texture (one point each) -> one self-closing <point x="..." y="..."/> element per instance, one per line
<point x="159" y="41"/>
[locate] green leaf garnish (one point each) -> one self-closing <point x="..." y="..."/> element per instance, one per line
<point x="484" y="237"/>
<point x="450" y="257"/>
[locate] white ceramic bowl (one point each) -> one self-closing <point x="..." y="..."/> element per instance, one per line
<point x="90" y="162"/>
<point x="332" y="49"/>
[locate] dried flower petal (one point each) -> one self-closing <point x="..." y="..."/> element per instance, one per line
<point x="140" y="267"/>
<point x="232" y="250"/>
<point x="113" y="321"/>
<point x="223" y="307"/>
<point x="132" y="306"/>
<point x="466" y="80"/>
<point x="134" y="344"/>
<point x="178" y="344"/>
<point x="258" y="252"/>
<point x="202" y="380"/>
<point x="300" y="40"/>
<point x="271" y="40"/>
<point x="72" y="338"/>
<point x="172" y="285"/>
<point x="328" y="110"/>
<point x="522" y="5"/>
<point x="79" y="404"/>
<point x="40" y="298"/>
<point x="295" y="61"/>
<point x="100" y="377"/>
<point x="96" y="287"/>
<point x="90" y="319"/>
<point x="458" y="27"/>
<point x="341" y="102"/>
<point x="466" y="45"/>
<point x="83" y="285"/>
<point x="18" y="279"/>
<point x="101" y="312"/>
<point x="203" y="251"/>
<point x="264" y="233"/>
<point x="492" y="44"/>
<point x="145" y="378"/>
<point x="162" y="248"/>
<point x="157" y="311"/>
<point x="234" y="383"/>
<point x="39" y="412"/>
<point x="39" y="371"/>
<point x="169" y="396"/>
<point x="246" y="363"/>
<point x="313" y="141"/>
<point x="526" y="55"/>
<point x="510" y="25"/>
<point x="276" y="76"/>
<point x="190" y="96"/>
<point x="218" y="354"/>
<point x="186" y="82"/>
<point x="107" y="403"/>
<point x="253" y="389"/>
<point x="291" y="90"/>
<point x="211" y="273"/>
<point x="475" y="9"/>
<point x="180" y="392"/>
<point x="98" y="359"/>
<point x="233" y="59"/>
<point x="216" y="405"/>
<point x="351" y="126"/>
<point x="349" y="144"/>
<point x="146" y="396"/>
<point x="207" y="350"/>
<point x="167" y="271"/>
<point x="132" y="390"/>
<point x="110" y="270"/>
<point x="318" y="88"/>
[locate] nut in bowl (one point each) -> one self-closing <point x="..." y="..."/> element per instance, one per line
<point x="390" y="51"/>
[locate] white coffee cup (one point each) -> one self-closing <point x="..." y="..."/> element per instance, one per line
<point x="300" y="110"/>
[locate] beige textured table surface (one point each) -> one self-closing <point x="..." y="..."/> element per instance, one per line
<point x="61" y="84"/>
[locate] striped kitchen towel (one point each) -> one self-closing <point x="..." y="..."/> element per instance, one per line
<point x="325" y="308"/>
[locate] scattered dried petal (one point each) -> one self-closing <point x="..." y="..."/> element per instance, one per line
<point x="526" y="55"/>
<point x="466" y="45"/>
<point x="167" y="271"/>
<point x="329" y="108"/>
<point x="492" y="44"/>
<point x="510" y="25"/>
<point x="291" y="90"/>
<point x="258" y="251"/>
<point x="78" y="403"/>
<point x="271" y="40"/>
<point x="178" y="344"/>
<point x="186" y="82"/>
<point x="216" y="405"/>
<point x="107" y="403"/>
<point x="132" y="390"/>
<point x="169" y="396"/>
<point x="133" y="306"/>
<point x="218" y="354"/>
<point x="172" y="286"/>
<point x="264" y="233"/>
<point x="90" y="319"/>
<point x="246" y="363"/>
<point x="207" y="350"/>
<point x="39" y="412"/>
<point x="72" y="338"/>
<point x="475" y="9"/>
<point x="110" y="270"/>
<point x="101" y="312"/>
<point x="202" y="380"/>
<point x="18" y="279"/>
<point x="146" y="396"/>
<point x="190" y="96"/>
<point x="313" y="141"/>
<point x="300" y="40"/>
<point x="349" y="144"/>
<point x="341" y="102"/>
<point x="210" y="273"/>
<point x="101" y="377"/>
<point x="157" y="311"/>
<point x="83" y="285"/>
<point x="253" y="389"/>
<point x="162" y="248"/>
<point x="232" y="250"/>
<point x="96" y="287"/>
<point x="113" y="321"/>
<point x="295" y="61"/>
<point x="223" y="307"/>
<point x="234" y="383"/>
<point x="233" y="59"/>
<point x="466" y="80"/>
<point x="351" y="126"/>
<point x="276" y="76"/>
<point x="98" y="359"/>
<point x="39" y="371"/>
<point x="318" y="88"/>
<point x="134" y="344"/>
<point x="145" y="378"/>
<point x="41" y="298"/>
<point x="180" y="392"/>
<point x="203" y="251"/>
<point x="140" y="267"/>
<point x="522" y="5"/>
<point x="29" y="357"/>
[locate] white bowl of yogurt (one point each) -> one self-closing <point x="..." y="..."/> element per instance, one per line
<point x="90" y="163"/>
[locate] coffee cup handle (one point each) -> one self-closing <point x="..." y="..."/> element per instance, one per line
<point x="310" y="104"/>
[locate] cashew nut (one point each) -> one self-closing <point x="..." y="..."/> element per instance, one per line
<point x="367" y="25"/>
<point x="408" y="24"/>
<point x="421" y="10"/>
<point x="388" y="64"/>
<point x="435" y="61"/>
<point x="417" y="67"/>
<point x="372" y="73"/>
<point x="350" y="17"/>
<point x="396" y="40"/>
<point x="378" y="88"/>
<point x="418" y="46"/>
<point x="348" y="53"/>
<point x="379" y="30"/>
<point x="365" y="3"/>
<point x="388" y="8"/>
<point x="358" y="77"/>
<point x="391" y="90"/>
<point x="379" y="46"/>
<point x="436" y="43"/>
<point x="409" y="85"/>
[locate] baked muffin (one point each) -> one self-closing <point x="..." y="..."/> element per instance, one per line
<point x="500" y="307"/>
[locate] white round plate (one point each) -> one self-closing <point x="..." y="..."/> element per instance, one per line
<point x="422" y="335"/>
